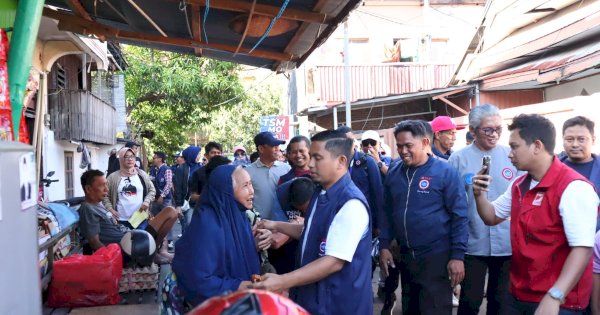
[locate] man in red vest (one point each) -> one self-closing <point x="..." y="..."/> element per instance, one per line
<point x="552" y="211"/>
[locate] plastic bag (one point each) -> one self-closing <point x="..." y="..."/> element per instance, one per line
<point x="80" y="280"/>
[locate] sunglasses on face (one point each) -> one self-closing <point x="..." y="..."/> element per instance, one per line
<point x="489" y="131"/>
<point x="369" y="142"/>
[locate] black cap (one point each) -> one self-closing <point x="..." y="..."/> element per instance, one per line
<point x="267" y="138"/>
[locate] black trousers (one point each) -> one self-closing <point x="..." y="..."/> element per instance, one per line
<point x="472" y="288"/>
<point x="426" y="287"/>
<point x="516" y="307"/>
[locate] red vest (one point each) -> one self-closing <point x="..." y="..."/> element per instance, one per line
<point x="539" y="243"/>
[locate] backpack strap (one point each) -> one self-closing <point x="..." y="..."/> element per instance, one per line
<point x="145" y="189"/>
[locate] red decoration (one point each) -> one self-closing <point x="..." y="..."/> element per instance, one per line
<point x="6" y="125"/>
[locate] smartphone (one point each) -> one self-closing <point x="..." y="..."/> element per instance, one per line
<point x="486" y="162"/>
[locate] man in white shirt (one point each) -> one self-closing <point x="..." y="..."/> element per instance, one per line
<point x="552" y="211"/>
<point x="334" y="268"/>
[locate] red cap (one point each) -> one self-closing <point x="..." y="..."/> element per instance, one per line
<point x="443" y="123"/>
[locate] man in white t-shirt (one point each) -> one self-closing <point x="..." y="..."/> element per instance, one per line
<point x="552" y="212"/>
<point x="334" y="267"/>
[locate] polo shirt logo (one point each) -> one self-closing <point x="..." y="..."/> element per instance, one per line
<point x="537" y="201"/>
<point x="468" y="178"/>
<point x="322" y="247"/>
<point x="507" y="173"/>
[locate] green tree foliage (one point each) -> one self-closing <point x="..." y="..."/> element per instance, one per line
<point x="171" y="94"/>
<point x="239" y="123"/>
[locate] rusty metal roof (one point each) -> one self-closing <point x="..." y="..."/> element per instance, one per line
<point x="375" y="81"/>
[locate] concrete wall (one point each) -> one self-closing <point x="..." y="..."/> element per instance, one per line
<point x="54" y="160"/>
<point x="574" y="88"/>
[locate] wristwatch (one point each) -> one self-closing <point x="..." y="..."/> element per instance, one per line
<point x="557" y="294"/>
<point x="380" y="164"/>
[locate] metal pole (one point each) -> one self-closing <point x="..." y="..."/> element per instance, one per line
<point x="27" y="24"/>
<point x="426" y="19"/>
<point x="347" y="75"/>
<point x="335" y="122"/>
<point x="477" y="94"/>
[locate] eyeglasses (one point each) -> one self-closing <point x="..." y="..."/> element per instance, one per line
<point x="489" y="131"/>
<point x="580" y="140"/>
<point x="240" y="154"/>
<point x="129" y="158"/>
<point x="369" y="142"/>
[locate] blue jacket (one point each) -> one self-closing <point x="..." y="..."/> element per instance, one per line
<point x="349" y="290"/>
<point x="367" y="177"/>
<point x="426" y="210"/>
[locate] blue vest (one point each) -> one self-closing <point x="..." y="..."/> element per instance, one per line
<point x="160" y="182"/>
<point x="349" y="290"/>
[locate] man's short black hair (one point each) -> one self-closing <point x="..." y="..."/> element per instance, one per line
<point x="344" y="129"/>
<point x="161" y="155"/>
<point x="253" y="157"/>
<point x="535" y="127"/>
<point x="301" y="190"/>
<point x="416" y="127"/>
<point x="88" y="177"/>
<point x="297" y="139"/>
<point x="214" y="163"/>
<point x="336" y="143"/>
<point x="579" y="121"/>
<point x="212" y="145"/>
<point x="131" y="144"/>
<point x="428" y="129"/>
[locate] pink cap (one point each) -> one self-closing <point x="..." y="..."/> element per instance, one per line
<point x="443" y="123"/>
<point x="238" y="147"/>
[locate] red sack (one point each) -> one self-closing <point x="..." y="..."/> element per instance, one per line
<point x="81" y="280"/>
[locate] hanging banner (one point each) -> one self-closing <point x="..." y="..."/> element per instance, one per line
<point x="278" y="125"/>
<point x="6" y="125"/>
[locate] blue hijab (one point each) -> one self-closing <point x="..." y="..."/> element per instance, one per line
<point x="217" y="251"/>
<point x="189" y="154"/>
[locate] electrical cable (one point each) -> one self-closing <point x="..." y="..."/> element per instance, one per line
<point x="270" y="25"/>
<point x="183" y="8"/>
<point x="206" y="9"/>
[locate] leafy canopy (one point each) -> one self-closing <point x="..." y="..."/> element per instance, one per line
<point x="170" y="93"/>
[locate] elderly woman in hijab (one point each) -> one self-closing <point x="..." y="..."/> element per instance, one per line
<point x="129" y="190"/>
<point x="219" y="251"/>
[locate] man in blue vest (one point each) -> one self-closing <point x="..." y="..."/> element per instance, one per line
<point x="334" y="257"/>
<point x="163" y="182"/>
<point x="426" y="212"/>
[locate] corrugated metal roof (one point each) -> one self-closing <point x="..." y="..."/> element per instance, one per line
<point x="550" y="62"/>
<point x="381" y="80"/>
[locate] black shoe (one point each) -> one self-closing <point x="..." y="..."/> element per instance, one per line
<point x="388" y="305"/>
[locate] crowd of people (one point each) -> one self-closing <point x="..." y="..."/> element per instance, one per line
<point x="314" y="222"/>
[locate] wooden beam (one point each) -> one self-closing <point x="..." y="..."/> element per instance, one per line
<point x="72" y="23"/>
<point x="265" y="10"/>
<point x="297" y="36"/>
<point x="450" y="93"/>
<point x="196" y="27"/>
<point x="79" y="10"/>
<point x="453" y="105"/>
